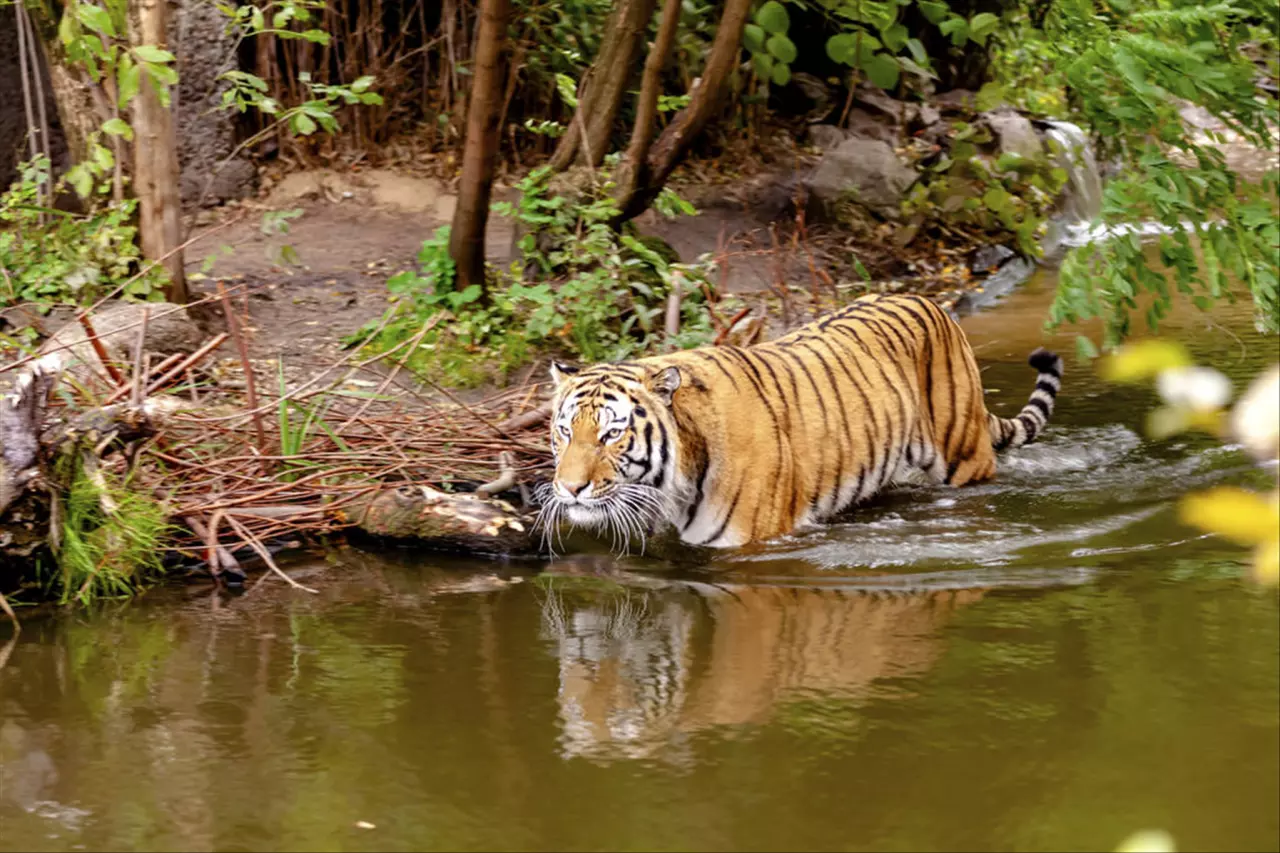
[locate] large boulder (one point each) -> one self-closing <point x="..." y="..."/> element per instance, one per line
<point x="864" y="171"/>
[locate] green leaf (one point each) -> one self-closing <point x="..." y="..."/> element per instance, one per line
<point x="1086" y="350"/>
<point x="151" y="53"/>
<point x="895" y="37"/>
<point x="782" y="49"/>
<point x="996" y="199"/>
<point x="118" y="127"/>
<point x="781" y="74"/>
<point x="80" y="179"/>
<point x="67" y="29"/>
<point x="102" y="158"/>
<point x="302" y="125"/>
<point x="361" y="84"/>
<point x="95" y="18"/>
<point x="957" y="28"/>
<point x="982" y="25"/>
<point x="841" y="48"/>
<point x="917" y="51"/>
<point x="773" y="17"/>
<point x="764" y="66"/>
<point x="934" y="11"/>
<point x="882" y="70"/>
<point x="753" y="38"/>
<point x="128" y="78"/>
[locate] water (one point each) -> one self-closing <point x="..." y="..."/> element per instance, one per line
<point x="1048" y="662"/>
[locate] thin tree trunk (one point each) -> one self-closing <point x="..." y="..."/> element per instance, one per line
<point x="480" y="148"/>
<point x="155" y="157"/>
<point x="707" y="93"/>
<point x="631" y="172"/>
<point x="604" y="88"/>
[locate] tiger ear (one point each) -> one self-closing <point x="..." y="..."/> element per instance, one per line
<point x="560" y="371"/>
<point x="665" y="383"/>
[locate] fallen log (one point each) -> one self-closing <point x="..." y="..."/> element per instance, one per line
<point x="444" y="521"/>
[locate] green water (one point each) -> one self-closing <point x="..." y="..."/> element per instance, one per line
<point x="1049" y="662"/>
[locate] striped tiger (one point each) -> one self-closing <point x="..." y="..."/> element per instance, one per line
<point x="737" y="445"/>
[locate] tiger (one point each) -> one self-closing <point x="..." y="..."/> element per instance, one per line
<point x="739" y="445"/>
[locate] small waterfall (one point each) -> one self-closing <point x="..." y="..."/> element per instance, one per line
<point x="1077" y="223"/>
<point x="1083" y="200"/>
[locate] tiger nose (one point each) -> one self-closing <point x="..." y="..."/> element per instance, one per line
<point x="573" y="489"/>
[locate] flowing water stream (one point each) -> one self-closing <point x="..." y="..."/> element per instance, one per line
<point x="1046" y="662"/>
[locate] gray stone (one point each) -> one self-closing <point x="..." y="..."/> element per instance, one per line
<point x="865" y="171"/>
<point x="956" y="101"/>
<point x="864" y="124"/>
<point x="169" y="329"/>
<point x="1014" y="133"/>
<point x="826" y="136"/>
<point x="989" y="258"/>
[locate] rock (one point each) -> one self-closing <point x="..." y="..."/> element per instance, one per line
<point x="928" y="116"/>
<point x="169" y="329"/>
<point x="826" y="136"/>
<point x="865" y="171"/>
<point x="898" y="112"/>
<point x="956" y="101"/>
<point x="1014" y="133"/>
<point x="988" y="258"/>
<point x="864" y="124"/>
<point x="816" y="92"/>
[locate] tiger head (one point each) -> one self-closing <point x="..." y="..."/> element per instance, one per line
<point x="613" y="435"/>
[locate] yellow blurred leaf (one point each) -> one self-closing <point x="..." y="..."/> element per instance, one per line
<point x="1147" y="841"/>
<point x="1244" y="517"/>
<point x="1165" y="421"/>
<point x="1142" y="360"/>
<point x="1266" y="563"/>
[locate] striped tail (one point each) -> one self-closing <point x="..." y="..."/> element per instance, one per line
<point x="1026" y="427"/>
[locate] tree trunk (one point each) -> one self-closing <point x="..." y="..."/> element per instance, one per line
<point x="466" y="241"/>
<point x="706" y="95"/>
<point x="155" y="157"/>
<point x="632" y="170"/>
<point x="605" y="86"/>
<point x="80" y="103"/>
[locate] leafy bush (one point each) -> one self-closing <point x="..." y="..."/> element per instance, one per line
<point x="50" y="256"/>
<point x="968" y="187"/>
<point x="581" y="289"/>
<point x="1126" y="71"/>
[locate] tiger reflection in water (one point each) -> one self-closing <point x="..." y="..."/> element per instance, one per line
<point x="639" y="675"/>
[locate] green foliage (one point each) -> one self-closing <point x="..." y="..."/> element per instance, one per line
<point x="1126" y="71"/>
<point x="874" y="40"/>
<point x="111" y="535"/>
<point x="581" y="289"/>
<point x="970" y="186"/>
<point x="49" y="256"/>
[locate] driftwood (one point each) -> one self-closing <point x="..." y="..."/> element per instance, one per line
<point x="446" y="521"/>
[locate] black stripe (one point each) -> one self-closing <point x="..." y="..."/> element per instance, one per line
<point x="822" y="406"/>
<point x="710" y="356"/>
<point x="728" y="515"/>
<point x="1047" y="388"/>
<point x="951" y="471"/>
<point x="1041" y="405"/>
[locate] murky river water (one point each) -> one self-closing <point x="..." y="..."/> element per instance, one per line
<point x="1050" y="662"/>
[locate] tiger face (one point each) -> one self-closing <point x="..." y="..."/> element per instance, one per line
<point x="612" y="435"/>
